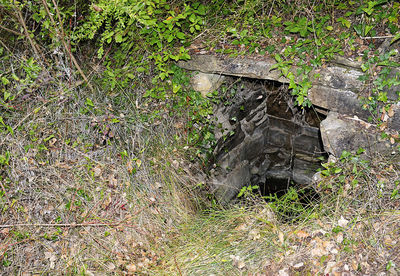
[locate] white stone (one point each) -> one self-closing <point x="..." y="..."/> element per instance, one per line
<point x="206" y="83"/>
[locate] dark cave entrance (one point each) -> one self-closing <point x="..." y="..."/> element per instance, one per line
<point x="264" y="139"/>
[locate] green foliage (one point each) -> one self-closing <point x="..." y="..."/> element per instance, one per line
<point x="144" y="31"/>
<point x="248" y="191"/>
<point x="293" y="205"/>
<point x="300" y="25"/>
<point x="378" y="84"/>
<point x="196" y="109"/>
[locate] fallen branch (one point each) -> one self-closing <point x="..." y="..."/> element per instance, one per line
<point x="60" y="225"/>
<point x="377" y="37"/>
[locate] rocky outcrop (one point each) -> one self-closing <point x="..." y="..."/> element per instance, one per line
<point x="263" y="139"/>
<point x="335" y="87"/>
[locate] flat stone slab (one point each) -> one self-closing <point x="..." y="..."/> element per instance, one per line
<point x="339" y="77"/>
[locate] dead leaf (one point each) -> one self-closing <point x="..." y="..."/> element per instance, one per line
<point x="237" y="261"/>
<point x="342" y="222"/>
<point x="391" y="111"/>
<point x="302" y="234"/>
<point x="111" y="266"/>
<point x="298" y="265"/>
<point x="241" y="227"/>
<point x="97" y="171"/>
<point x="354" y="265"/>
<point x="131" y="268"/>
<point x="129" y="166"/>
<point x="96" y="8"/>
<point x="281" y="237"/>
<point x="254" y="234"/>
<point x="339" y="237"/>
<point x="112" y="181"/>
<point x="283" y="272"/>
<point x="383" y="126"/>
<point x="52" y="142"/>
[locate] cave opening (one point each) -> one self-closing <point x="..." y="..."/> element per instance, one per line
<point x="264" y="139"/>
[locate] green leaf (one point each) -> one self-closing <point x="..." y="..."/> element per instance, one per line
<point x="344" y="22"/>
<point x="337" y="170"/>
<point x="329" y="28"/>
<point x="358" y="29"/>
<point x="396" y="37"/>
<point x="5" y="81"/>
<point x="180" y="35"/>
<point x="367" y="29"/>
<point x="89" y="102"/>
<point x="192" y="18"/>
<point x="201" y="10"/>
<point x="118" y="38"/>
<point x="6" y="95"/>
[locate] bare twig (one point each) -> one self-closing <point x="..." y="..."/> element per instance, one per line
<point x="177" y="266"/>
<point x="12" y="31"/>
<point x="22" y="22"/>
<point x="61" y="225"/>
<point x="377" y="37"/>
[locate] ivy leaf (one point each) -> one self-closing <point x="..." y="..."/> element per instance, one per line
<point x="367" y="29"/>
<point x="201" y="10"/>
<point x="5" y="81"/>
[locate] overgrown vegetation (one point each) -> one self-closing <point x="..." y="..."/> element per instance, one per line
<point x="103" y="144"/>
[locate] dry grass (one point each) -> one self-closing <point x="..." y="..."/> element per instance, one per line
<point x="107" y="189"/>
<point x="88" y="188"/>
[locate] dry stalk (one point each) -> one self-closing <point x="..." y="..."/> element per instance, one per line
<point x="71" y="225"/>
<point x="62" y="37"/>
<point x="33" y="44"/>
<point x="13" y="32"/>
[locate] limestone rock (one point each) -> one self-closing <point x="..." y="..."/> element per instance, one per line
<point x="341" y="133"/>
<point x="206" y="83"/>
<point x="343" y="101"/>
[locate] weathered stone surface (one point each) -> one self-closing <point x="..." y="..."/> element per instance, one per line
<point x="339" y="78"/>
<point x="343" y="101"/>
<point x="394" y="121"/>
<point x="331" y="76"/>
<point x="341" y="133"/>
<point x="334" y="87"/>
<point x="233" y="66"/>
<point x="227" y="186"/>
<point x="206" y="83"/>
<point x="393" y="92"/>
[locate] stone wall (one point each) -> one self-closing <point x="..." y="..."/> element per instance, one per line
<point x="263" y="138"/>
